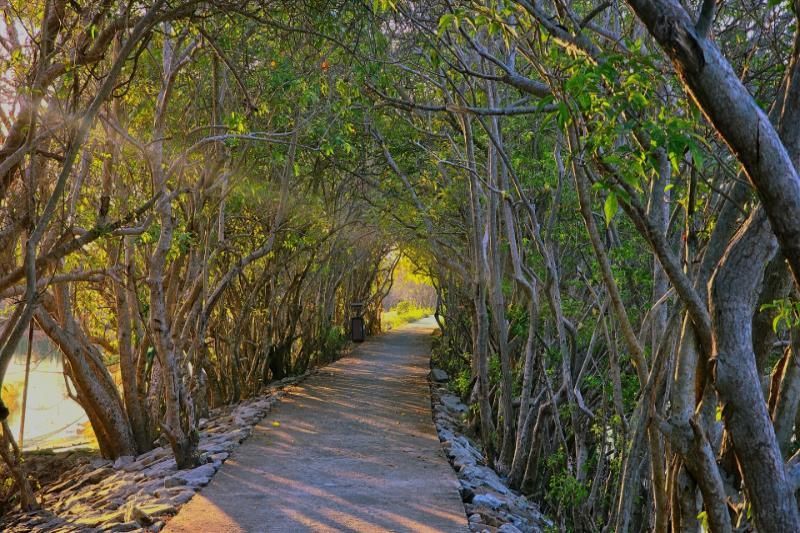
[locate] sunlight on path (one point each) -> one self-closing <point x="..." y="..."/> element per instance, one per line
<point x="354" y="450"/>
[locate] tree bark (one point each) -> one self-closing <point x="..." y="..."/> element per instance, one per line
<point x="732" y="292"/>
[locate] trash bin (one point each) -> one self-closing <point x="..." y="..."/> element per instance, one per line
<point x="357" y="333"/>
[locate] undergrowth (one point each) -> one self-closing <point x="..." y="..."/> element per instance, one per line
<point x="403" y="313"/>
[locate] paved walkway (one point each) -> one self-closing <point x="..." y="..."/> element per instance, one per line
<point x="355" y="451"/>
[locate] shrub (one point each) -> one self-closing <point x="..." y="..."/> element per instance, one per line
<point x="403" y="313"/>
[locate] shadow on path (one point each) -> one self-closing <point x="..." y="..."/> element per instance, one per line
<point x="352" y="449"/>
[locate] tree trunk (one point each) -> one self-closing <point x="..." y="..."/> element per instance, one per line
<point x="732" y="299"/>
<point x="95" y="386"/>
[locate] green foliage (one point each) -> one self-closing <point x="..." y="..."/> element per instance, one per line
<point x="263" y="88"/>
<point x="403" y="313"/>
<point x="630" y="389"/>
<point x="618" y="97"/>
<point x="335" y="339"/>
<point x="518" y="320"/>
<point x="702" y="517"/>
<point x="444" y="356"/>
<point x="383" y="5"/>
<point x="564" y="489"/>
<point x="610" y="207"/>
<point x="461" y="382"/>
<point x="786" y="313"/>
<point x="567" y="491"/>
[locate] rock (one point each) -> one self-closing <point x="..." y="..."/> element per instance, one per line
<point x="96" y="520"/>
<point x="124" y="526"/>
<point x="182" y="497"/>
<point x="439" y="375"/>
<point x="197" y="477"/>
<point x="238" y="435"/>
<point x="174" y="481"/>
<point x="463" y="456"/>
<point x="446" y="436"/>
<point x="488" y="500"/>
<point x="159" y="509"/>
<point x="93" y="477"/>
<point x="444" y="417"/>
<point x="489" y="503"/>
<point x="99" y="463"/>
<point x="51" y="524"/>
<point x="219" y="457"/>
<point x="453" y="403"/>
<point x="161" y="468"/>
<point x="123" y="460"/>
<point x="150" y="487"/>
<point x="62" y="485"/>
<point x="149" y="458"/>
<point x="218" y="446"/>
<point x="134" y="514"/>
<point x="484" y="476"/>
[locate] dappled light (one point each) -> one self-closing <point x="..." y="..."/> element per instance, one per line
<point x="354" y="450"/>
<point x="399" y="265"/>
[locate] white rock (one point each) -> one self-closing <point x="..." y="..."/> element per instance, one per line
<point x="182" y="497"/>
<point x="161" y="468"/>
<point x="197" y="477"/>
<point x="487" y="500"/>
<point x="453" y="403"/>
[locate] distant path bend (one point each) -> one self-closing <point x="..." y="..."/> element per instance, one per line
<point x="356" y="451"/>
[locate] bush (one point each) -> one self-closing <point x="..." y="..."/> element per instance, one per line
<point x="335" y="340"/>
<point x="403" y="313"/>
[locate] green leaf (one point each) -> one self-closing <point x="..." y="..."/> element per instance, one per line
<point x="380" y="6"/>
<point x="563" y="114"/>
<point x="674" y="161"/>
<point x="697" y="154"/>
<point x="703" y="519"/>
<point x="610" y="207"/>
<point x="445" y="22"/>
<point x="776" y="322"/>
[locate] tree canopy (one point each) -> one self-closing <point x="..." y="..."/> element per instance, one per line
<point x="604" y="195"/>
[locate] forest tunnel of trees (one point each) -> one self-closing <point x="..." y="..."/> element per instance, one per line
<point x="605" y="195"/>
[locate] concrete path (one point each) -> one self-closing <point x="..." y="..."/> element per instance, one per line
<point x="352" y="449"/>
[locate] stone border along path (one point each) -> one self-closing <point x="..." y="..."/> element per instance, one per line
<point x="490" y="504"/>
<point x="352" y="449"/>
<point x="138" y="494"/>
